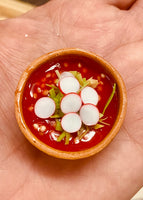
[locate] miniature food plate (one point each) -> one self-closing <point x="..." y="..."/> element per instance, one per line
<point x="70" y="103"/>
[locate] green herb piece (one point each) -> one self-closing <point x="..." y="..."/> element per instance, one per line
<point x="97" y="126"/>
<point x="86" y="83"/>
<point x="102" y="119"/>
<point x="52" y="93"/>
<point x="58" y="114"/>
<point x="100" y="115"/>
<point x="104" y="123"/>
<point x="67" y="138"/>
<point x="57" y="73"/>
<point x="58" y="125"/>
<point x="79" y="78"/>
<point x="83" y="82"/>
<point x="56" y="95"/>
<point x="59" y="95"/>
<point x="62" y="135"/>
<point x="82" y="132"/>
<point x="52" y="86"/>
<point x="57" y="102"/>
<point x="58" y="99"/>
<point x="110" y="98"/>
<point x="74" y="73"/>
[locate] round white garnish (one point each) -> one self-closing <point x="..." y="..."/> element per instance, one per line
<point x="71" y="122"/>
<point x="69" y="84"/>
<point x="89" y="114"/>
<point x="44" y="107"/>
<point x="66" y="74"/>
<point x="89" y="95"/>
<point x="71" y="103"/>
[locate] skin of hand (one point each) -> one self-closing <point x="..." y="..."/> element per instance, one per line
<point x="112" y="29"/>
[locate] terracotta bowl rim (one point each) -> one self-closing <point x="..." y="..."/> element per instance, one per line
<point x="59" y="153"/>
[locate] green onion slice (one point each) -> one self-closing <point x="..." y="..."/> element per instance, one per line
<point x="58" y="126"/>
<point x="110" y="98"/>
<point x="63" y="134"/>
<point x="97" y="126"/>
<point x="67" y="138"/>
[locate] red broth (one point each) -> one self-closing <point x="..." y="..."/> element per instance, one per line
<point x="35" y="88"/>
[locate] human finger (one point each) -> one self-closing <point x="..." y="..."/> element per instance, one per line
<point x="135" y="16"/>
<point x="138" y="6"/>
<point x="122" y="4"/>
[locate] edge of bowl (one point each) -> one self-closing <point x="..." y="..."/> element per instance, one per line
<point x="59" y="153"/>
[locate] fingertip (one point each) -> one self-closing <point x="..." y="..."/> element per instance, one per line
<point x="121" y="4"/>
<point x="137" y="5"/>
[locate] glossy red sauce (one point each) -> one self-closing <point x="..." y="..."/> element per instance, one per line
<point x="36" y="88"/>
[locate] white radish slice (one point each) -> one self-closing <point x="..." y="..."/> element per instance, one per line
<point x="44" y="107"/>
<point x="71" y="122"/>
<point x="71" y="103"/>
<point x="89" y="95"/>
<point x="69" y="84"/>
<point x="89" y="114"/>
<point x="66" y="74"/>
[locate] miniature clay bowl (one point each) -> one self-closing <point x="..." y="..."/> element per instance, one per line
<point x="109" y="70"/>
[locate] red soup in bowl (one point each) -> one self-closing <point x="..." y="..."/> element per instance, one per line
<point x="70" y="103"/>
